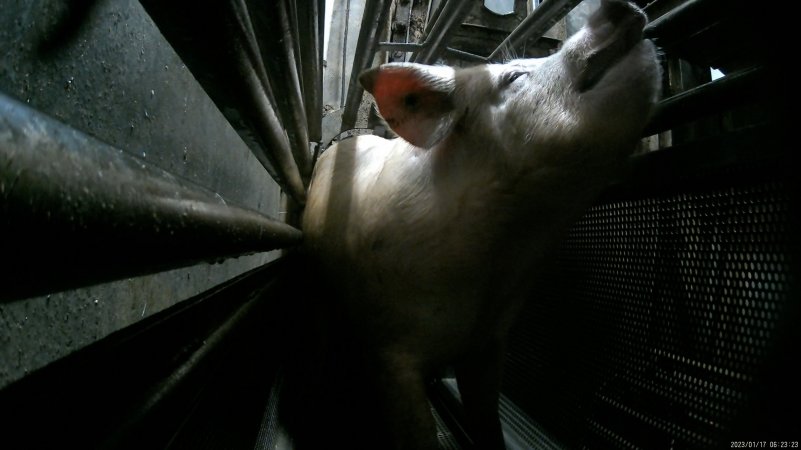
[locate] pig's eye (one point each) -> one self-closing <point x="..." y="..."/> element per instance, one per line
<point x="510" y="77"/>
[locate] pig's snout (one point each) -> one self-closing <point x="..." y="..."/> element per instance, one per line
<point x="620" y="14"/>
<point x="611" y="33"/>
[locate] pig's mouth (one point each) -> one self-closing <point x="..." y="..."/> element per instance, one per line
<point x="616" y="30"/>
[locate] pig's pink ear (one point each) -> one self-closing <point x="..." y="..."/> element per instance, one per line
<point x="415" y="100"/>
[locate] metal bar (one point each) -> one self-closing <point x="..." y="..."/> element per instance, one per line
<point x="408" y="26"/>
<point x="277" y="65"/>
<point x="687" y="19"/>
<point x="412" y="46"/>
<point x="715" y="96"/>
<point x="342" y="78"/>
<point x="534" y="26"/>
<point x="260" y="102"/>
<point x="374" y="19"/>
<point x="294" y="26"/>
<point x="75" y="211"/>
<point x="434" y="10"/>
<point x="399" y="46"/>
<point x="467" y="56"/>
<point x="194" y="368"/>
<point x="453" y="13"/>
<point x="262" y="106"/>
<point x="310" y="43"/>
<point x="292" y="77"/>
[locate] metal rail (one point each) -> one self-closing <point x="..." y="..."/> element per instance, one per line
<point x="731" y="90"/>
<point x="534" y="26"/>
<point x="452" y="14"/>
<point x="76" y="211"/>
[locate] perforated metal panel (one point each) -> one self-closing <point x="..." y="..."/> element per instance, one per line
<point x="653" y="329"/>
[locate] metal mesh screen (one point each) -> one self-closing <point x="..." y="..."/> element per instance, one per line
<point x="652" y="328"/>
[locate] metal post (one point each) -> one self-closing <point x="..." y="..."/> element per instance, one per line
<point x="453" y="13"/>
<point x="75" y="211"/>
<point x="535" y="25"/>
<point x="374" y="19"/>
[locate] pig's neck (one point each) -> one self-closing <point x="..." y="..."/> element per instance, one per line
<point x="524" y="200"/>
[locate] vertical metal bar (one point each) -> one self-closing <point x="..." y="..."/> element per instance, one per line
<point x="408" y="27"/>
<point x="434" y="10"/>
<point x="343" y="90"/>
<point x="310" y="43"/>
<point x="293" y="79"/>
<point x="294" y="26"/>
<point x="262" y="110"/>
<point x="453" y="13"/>
<point x="374" y="19"/>
<point x="75" y="211"/>
<point x="535" y="25"/>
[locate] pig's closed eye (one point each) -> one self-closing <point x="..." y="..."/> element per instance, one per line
<point x="510" y="77"/>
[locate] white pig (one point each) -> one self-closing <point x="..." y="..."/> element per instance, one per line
<point x="432" y="239"/>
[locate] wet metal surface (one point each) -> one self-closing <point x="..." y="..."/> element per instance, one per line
<point x="101" y="214"/>
<point x="110" y="74"/>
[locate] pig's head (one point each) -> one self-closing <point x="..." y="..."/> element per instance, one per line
<point x="597" y="92"/>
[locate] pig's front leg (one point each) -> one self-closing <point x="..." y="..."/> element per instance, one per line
<point x="478" y="376"/>
<point x="400" y="386"/>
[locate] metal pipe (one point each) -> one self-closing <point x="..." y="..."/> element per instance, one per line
<point x="276" y="51"/>
<point x="297" y="109"/>
<point x="467" y="56"/>
<point x="534" y="26"/>
<point x="374" y="19"/>
<point x="411" y="47"/>
<point x="310" y="43"/>
<point x="260" y="103"/>
<point x="687" y="19"/>
<point x="342" y="78"/>
<point x="399" y="46"/>
<point x="731" y="90"/>
<point x="434" y="10"/>
<point x="453" y="13"/>
<point x="75" y="211"/>
<point x="409" y="26"/>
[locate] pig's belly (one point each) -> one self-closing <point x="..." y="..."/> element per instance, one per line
<point x="431" y="320"/>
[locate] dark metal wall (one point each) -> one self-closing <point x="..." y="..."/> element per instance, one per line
<point x="115" y="163"/>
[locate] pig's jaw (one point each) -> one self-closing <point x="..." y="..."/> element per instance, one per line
<point x="611" y="35"/>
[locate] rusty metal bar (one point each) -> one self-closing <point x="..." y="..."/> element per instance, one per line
<point x="374" y="19"/>
<point x="534" y="26"/>
<point x="75" y="211"/>
<point x="453" y="13"/>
